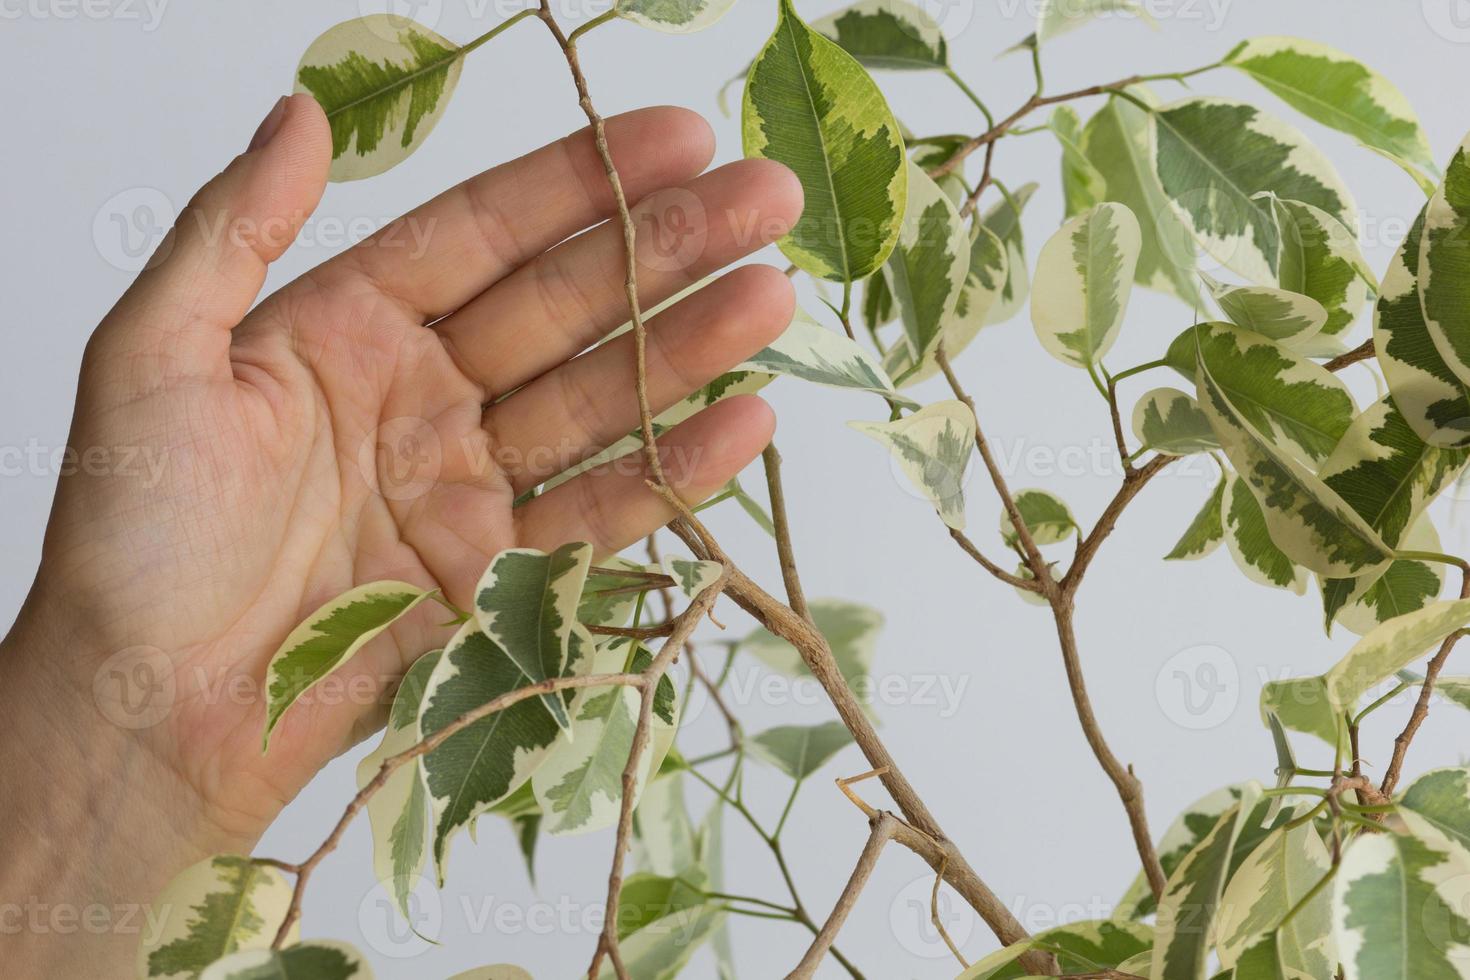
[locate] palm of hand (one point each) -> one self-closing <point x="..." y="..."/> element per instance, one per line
<point x="337" y="435"/>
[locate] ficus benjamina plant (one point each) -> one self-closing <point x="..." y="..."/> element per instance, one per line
<point x="553" y="706"/>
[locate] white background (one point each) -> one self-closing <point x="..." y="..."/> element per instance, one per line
<point x="115" y="98"/>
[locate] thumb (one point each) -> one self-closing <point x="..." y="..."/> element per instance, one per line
<point x="209" y="269"/>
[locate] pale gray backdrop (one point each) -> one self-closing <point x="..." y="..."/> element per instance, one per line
<point x="118" y="110"/>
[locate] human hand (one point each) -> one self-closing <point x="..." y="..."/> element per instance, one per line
<point x="271" y="493"/>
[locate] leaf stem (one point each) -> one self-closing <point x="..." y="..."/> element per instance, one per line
<point x="970" y="94"/>
<point x="1139" y="369"/>
<point x="495" y="31"/>
<point x="592" y="25"/>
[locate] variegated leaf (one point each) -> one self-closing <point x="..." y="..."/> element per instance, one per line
<point x="674" y="16"/>
<point x="811" y="106"/>
<point x="1060" y="16"/>
<point x="1250" y="543"/>
<point x="1215" y="157"/>
<point x="329" y="638"/>
<point x="1265" y="959"/>
<point x="811" y="352"/>
<point x="800" y="750"/>
<point x="888" y="34"/>
<point x="1118" y="141"/>
<point x="663" y="944"/>
<point x="667" y="842"/>
<point x="1089" y="945"/>
<point x="1298" y="405"/>
<point x="1004" y="220"/>
<point x="692" y="577"/>
<point x="932" y="447"/>
<point x="609" y="598"/>
<point x="526" y="603"/>
<point x="1206" y="531"/>
<point x="850" y="629"/>
<point x="1047" y="518"/>
<point x="485" y="762"/>
<point x="1406" y="586"/>
<point x="580" y="785"/>
<point x="1389" y="648"/>
<point x="1307" y="520"/>
<point x="208" y="911"/>
<point x="315" y="960"/>
<point x="384" y="82"/>
<point x="1433" y="399"/>
<point x="1388" y="475"/>
<point x="1336" y="90"/>
<point x="1190" y="905"/>
<point x="1272" y="880"/>
<point x="982" y="289"/>
<point x="1321" y="258"/>
<point x="1444" y="265"/>
<point x="1084" y="277"/>
<point x="1399" y="904"/>
<point x="1286" y="317"/>
<point x="399" y="810"/>
<point x="1168" y="421"/>
<point x="1426" y="183"/>
<point x="929" y="265"/>
<point x="1441" y="798"/>
<point x="1083" y="187"/>
<point x="1182" y="836"/>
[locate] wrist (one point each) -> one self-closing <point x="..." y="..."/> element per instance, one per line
<point x="96" y="824"/>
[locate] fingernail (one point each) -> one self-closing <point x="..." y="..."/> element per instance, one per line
<point x="268" y="125"/>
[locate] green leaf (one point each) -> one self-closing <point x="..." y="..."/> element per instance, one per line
<point x="329" y="638"/>
<point x="1406" y="586"/>
<point x="1306" y="519"/>
<point x="1206" y="531"/>
<point x="399" y="810"/>
<point x="888" y="34"/>
<point x="1336" y="90"/>
<point x="526" y="603"/>
<point x="1190" y="907"/>
<point x="800" y="750"/>
<point x="1388" y="475"/>
<point x="1266" y="959"/>
<point x="1321" y="258"/>
<point x="810" y="352"/>
<point x="646" y="898"/>
<point x="1272" y="880"/>
<point x="1444" y="265"/>
<point x="1183" y="835"/>
<point x="984" y="283"/>
<point x="315" y="960"/>
<point x="1298" y="405"/>
<point x="1249" y="540"/>
<point x="1168" y="421"/>
<point x="666" y="837"/>
<point x="691" y="576"/>
<point x="1441" y="797"/>
<point x="929" y="266"/>
<point x="932" y="447"/>
<point x="1433" y="399"/>
<point x="1118" y="141"/>
<point x="1057" y="17"/>
<point x="1090" y="945"/>
<point x="580" y="785"/>
<point x="1390" y="648"/>
<point x="851" y="630"/>
<point x="878" y="308"/>
<point x="1398" y="904"/>
<point x="383" y="82"/>
<point x="218" y="906"/>
<point x="1214" y="158"/>
<point x="1084" y="277"/>
<point x="673" y="16"/>
<point x="604" y="601"/>
<point x="1286" y="317"/>
<point x="1046" y="515"/>
<point x="484" y="763"/>
<point x="1004" y="220"/>
<point x="1082" y="186"/>
<point x="811" y="106"/>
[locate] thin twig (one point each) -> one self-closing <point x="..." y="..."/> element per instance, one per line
<point x="884" y="826"/>
<point x="1421" y="707"/>
<point x="1360" y="353"/>
<point x="771" y="460"/>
